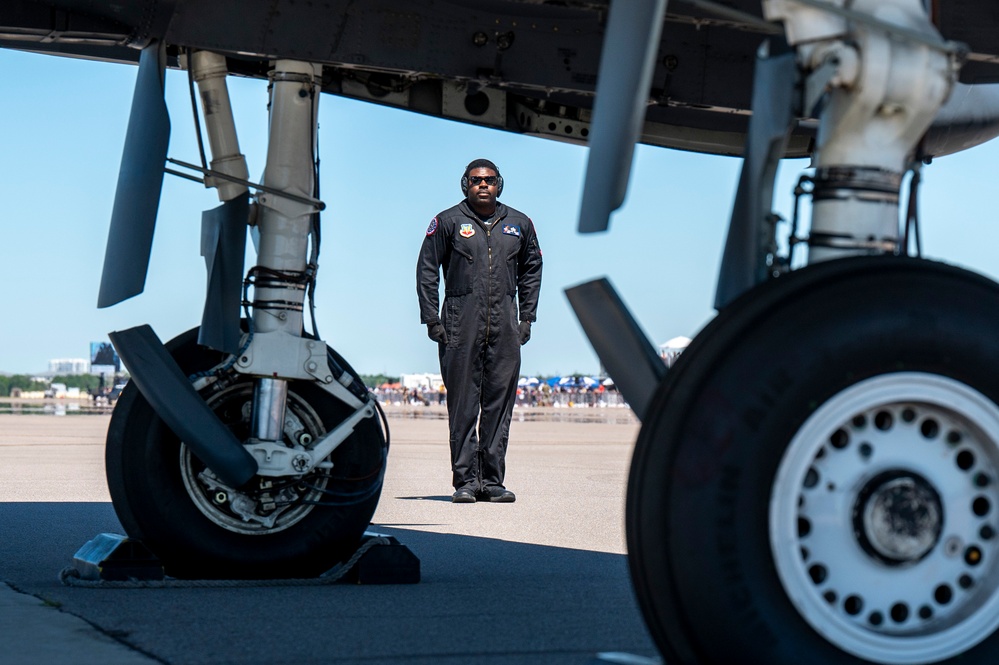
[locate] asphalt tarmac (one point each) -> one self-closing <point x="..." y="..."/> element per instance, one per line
<point x="542" y="580"/>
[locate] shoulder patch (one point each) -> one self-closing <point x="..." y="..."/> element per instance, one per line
<point x="432" y="229"/>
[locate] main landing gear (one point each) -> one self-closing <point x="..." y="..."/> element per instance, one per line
<point x="846" y="507"/>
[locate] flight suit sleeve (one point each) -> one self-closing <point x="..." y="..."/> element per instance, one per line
<point x="529" y="274"/>
<point x="428" y="272"/>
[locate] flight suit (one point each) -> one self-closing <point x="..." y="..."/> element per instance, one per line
<point x="492" y="277"/>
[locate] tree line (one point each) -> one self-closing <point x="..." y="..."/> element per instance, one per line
<point x="375" y="380"/>
<point x="90" y="382"/>
<point x="85" y="382"/>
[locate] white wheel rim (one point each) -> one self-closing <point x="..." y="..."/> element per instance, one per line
<point x="934" y="601"/>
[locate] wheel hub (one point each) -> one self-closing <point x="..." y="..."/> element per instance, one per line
<point x="898" y="517"/>
<point x="274" y="504"/>
<point x="883" y="519"/>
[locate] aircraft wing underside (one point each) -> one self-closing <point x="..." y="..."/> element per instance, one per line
<point x="527" y="67"/>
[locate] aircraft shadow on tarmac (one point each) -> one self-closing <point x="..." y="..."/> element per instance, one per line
<point x="482" y="597"/>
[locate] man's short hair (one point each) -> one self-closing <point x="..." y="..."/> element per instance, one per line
<point x="481" y="164"/>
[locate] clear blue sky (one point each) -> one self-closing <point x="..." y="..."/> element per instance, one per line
<point x="385" y="174"/>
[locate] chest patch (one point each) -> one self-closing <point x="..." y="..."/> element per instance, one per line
<point x="466" y="231"/>
<point x="511" y="230"/>
<point x="432" y="229"/>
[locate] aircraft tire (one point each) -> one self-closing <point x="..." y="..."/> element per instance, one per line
<point x="163" y="500"/>
<point x="818" y="477"/>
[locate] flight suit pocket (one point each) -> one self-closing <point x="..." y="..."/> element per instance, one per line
<point x="458" y="280"/>
<point x="452" y="318"/>
<point x="511" y="273"/>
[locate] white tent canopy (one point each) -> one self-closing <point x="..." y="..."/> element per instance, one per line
<point x="675" y="344"/>
<point x="671" y="349"/>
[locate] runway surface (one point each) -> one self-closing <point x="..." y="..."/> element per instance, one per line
<point x="542" y="580"/>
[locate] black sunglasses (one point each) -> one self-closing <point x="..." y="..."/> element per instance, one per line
<point x="476" y="179"/>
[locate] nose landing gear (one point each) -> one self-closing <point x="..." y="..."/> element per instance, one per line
<point x="273" y="526"/>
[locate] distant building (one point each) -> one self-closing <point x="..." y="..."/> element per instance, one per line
<point x="69" y="366"/>
<point x="103" y="358"/>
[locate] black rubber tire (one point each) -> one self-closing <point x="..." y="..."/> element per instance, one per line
<point x="143" y="462"/>
<point x="705" y="460"/>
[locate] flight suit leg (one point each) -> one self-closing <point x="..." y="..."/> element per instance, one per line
<point x="500" y="372"/>
<point x="461" y="370"/>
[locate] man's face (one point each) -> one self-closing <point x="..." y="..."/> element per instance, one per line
<point x="480" y="192"/>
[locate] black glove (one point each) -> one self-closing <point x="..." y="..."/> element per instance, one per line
<point x="436" y="332"/>
<point x="525" y="332"/>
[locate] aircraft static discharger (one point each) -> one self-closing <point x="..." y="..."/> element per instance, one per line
<point x="816" y="478"/>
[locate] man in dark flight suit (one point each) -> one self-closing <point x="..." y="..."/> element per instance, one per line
<point x="492" y="277"/>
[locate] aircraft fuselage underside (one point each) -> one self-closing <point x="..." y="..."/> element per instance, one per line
<point x="527" y="66"/>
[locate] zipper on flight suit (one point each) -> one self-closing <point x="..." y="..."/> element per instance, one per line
<point x="489" y="286"/>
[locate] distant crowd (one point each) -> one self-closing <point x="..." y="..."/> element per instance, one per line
<point x="542" y="395"/>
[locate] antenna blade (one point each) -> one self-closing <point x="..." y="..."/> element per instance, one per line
<point x="623" y="349"/>
<point x="140" y="181"/>
<point x="626" y="65"/>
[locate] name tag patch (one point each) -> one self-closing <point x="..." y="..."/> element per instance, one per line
<point x="511" y="230"/>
